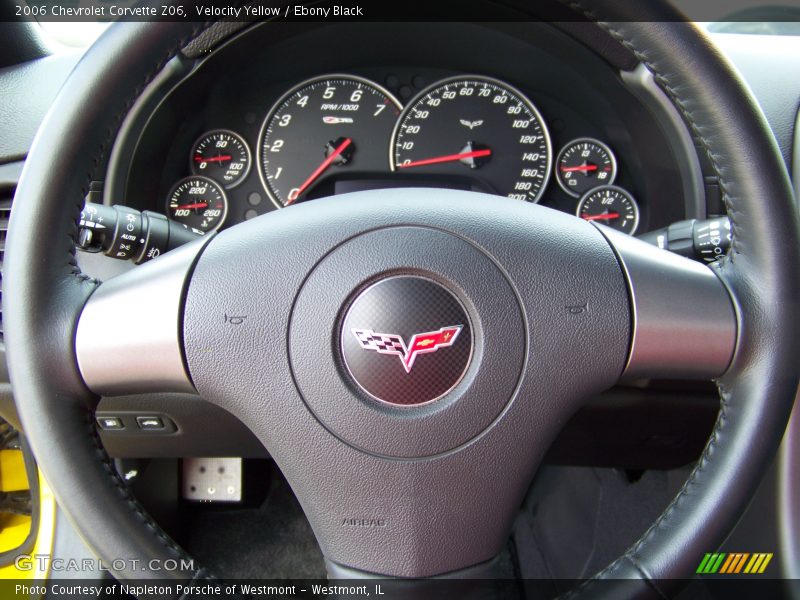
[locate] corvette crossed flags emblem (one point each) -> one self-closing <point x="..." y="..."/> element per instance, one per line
<point x="421" y="343"/>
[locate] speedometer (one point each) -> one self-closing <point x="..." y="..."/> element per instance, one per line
<point x="477" y="127"/>
<point x="335" y="125"/>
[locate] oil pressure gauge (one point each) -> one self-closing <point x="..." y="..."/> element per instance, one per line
<point x="610" y="205"/>
<point x="223" y="156"/>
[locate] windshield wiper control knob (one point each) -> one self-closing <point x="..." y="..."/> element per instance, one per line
<point x="705" y="240"/>
<point x="127" y="234"/>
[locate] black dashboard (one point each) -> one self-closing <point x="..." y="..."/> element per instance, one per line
<point x="521" y="110"/>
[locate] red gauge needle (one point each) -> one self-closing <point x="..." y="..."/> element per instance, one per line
<point x="191" y="206"/>
<point x="447" y="158"/>
<point x="603" y="217"/>
<point x="318" y="171"/>
<point x="212" y="159"/>
<point x="580" y="168"/>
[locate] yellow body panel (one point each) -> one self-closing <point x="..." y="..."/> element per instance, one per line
<point x="12" y="471"/>
<point x="44" y="538"/>
<point x="14" y="530"/>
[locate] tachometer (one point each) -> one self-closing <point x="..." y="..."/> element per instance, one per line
<point x="324" y="126"/>
<point x="478" y="127"/>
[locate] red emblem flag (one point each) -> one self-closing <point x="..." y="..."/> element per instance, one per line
<point x="423" y="343"/>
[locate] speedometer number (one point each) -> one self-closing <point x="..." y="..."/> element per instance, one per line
<point x="479" y="128"/>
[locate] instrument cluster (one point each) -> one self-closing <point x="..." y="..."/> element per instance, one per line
<point x="340" y="132"/>
<point x="276" y="117"/>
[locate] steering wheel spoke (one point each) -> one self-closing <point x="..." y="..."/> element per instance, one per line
<point x="683" y="320"/>
<point x="129" y="334"/>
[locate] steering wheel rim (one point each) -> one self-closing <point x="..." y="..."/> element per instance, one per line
<point x="757" y="390"/>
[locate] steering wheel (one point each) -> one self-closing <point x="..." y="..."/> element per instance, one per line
<point x="506" y="316"/>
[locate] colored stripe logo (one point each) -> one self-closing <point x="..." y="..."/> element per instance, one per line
<point x="734" y="563"/>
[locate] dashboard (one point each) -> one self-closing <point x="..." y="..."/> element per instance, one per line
<point x="289" y="113"/>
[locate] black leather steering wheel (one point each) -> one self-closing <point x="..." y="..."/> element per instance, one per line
<point x="396" y="490"/>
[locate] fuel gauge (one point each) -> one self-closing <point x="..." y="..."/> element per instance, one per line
<point x="610" y="205"/>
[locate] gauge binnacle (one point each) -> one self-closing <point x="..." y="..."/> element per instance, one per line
<point x="610" y="205"/>
<point x="476" y="127"/>
<point x="327" y="126"/>
<point x="221" y="155"/>
<point x="584" y="164"/>
<point x="198" y="202"/>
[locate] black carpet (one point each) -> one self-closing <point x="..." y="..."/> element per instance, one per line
<point x="272" y="541"/>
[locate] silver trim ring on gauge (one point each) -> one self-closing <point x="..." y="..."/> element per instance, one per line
<point x="580" y="140"/>
<point x="498" y="82"/>
<point x="232" y="133"/>
<point x="225" y="201"/>
<point x="635" y="204"/>
<point x="274" y="108"/>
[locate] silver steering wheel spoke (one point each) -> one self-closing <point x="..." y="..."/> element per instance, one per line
<point x="684" y="324"/>
<point x="129" y="337"/>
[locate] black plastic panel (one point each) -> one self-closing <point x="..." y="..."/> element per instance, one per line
<point x="26" y="92"/>
<point x="203" y="429"/>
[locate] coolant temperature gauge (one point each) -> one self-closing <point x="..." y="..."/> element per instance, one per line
<point x="197" y="202"/>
